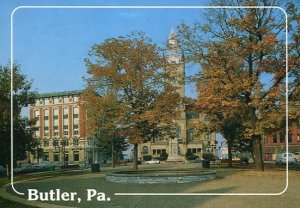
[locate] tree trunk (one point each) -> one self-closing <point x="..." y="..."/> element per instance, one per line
<point x="257" y="153"/>
<point x="113" y="154"/>
<point x="229" y="142"/>
<point x="135" y="157"/>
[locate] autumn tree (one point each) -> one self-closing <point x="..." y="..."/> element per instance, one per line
<point x="294" y="64"/>
<point x="242" y="67"/>
<point x="105" y="115"/>
<point x="128" y="73"/>
<point x="22" y="97"/>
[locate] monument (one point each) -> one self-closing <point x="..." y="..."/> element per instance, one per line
<point x="173" y="151"/>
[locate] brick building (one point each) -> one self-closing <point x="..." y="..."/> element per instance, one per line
<point x="276" y="143"/>
<point x="60" y="127"/>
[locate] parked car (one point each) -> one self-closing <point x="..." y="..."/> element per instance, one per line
<point x="153" y="161"/>
<point x="285" y="157"/>
<point x="45" y="166"/>
<point x="297" y="156"/>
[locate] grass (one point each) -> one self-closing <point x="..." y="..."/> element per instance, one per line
<point x="4" y="203"/>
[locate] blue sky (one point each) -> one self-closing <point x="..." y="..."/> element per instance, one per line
<point x="51" y="44"/>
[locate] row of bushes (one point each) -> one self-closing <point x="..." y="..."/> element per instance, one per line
<point x="162" y="157"/>
<point x="188" y="156"/>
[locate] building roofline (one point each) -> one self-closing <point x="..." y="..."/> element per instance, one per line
<point x="59" y="94"/>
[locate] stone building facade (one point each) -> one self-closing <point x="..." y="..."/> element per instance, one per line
<point x="185" y="140"/>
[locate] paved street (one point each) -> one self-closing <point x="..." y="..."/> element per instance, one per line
<point x="227" y="182"/>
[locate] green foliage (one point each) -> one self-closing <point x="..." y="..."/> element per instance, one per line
<point x="147" y="157"/>
<point x="190" y="156"/>
<point x="163" y="156"/>
<point x="105" y="143"/>
<point x="22" y="97"/>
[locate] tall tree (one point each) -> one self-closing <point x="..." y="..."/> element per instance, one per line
<point x="243" y="70"/>
<point x="22" y="97"/>
<point x="130" y="70"/>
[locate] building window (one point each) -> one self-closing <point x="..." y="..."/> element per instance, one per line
<point x="75" y="141"/>
<point x="189" y="150"/>
<point x="46" y="134"/>
<point x="90" y="141"/>
<point x="76" y="156"/>
<point x="65" y="126"/>
<point x="75" y="110"/>
<point x="55" y="133"/>
<point x="159" y="151"/>
<point x="289" y="137"/>
<point x="163" y="151"/>
<point x="66" y="157"/>
<point x="207" y="136"/>
<point x="46" y="128"/>
<point x="64" y="142"/>
<point x="192" y="115"/>
<point x="190" y="135"/>
<point x="76" y="132"/>
<point x="55" y="142"/>
<point x="198" y="149"/>
<point x="75" y="126"/>
<point x="46" y="142"/>
<point x="66" y="133"/>
<point x="65" y="111"/>
<point x="55" y="100"/>
<point x="194" y="150"/>
<point x="298" y="137"/>
<point x="46" y="117"/>
<point x="75" y="115"/>
<point x="55" y="157"/>
<point x="55" y="127"/>
<point x="46" y="156"/>
<point x="154" y="152"/>
<point x="281" y="138"/>
<point x="145" y="150"/>
<point x="275" y="138"/>
<point x="178" y="132"/>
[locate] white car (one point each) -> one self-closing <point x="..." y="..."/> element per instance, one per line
<point x="285" y="157"/>
<point x="297" y="156"/>
<point x="153" y="161"/>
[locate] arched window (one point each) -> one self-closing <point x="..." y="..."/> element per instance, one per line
<point x="145" y="150"/>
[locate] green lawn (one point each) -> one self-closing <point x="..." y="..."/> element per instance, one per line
<point x="4" y="203"/>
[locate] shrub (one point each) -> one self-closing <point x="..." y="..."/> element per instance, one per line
<point x="163" y="156"/>
<point x="147" y="157"/>
<point x="190" y="156"/>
